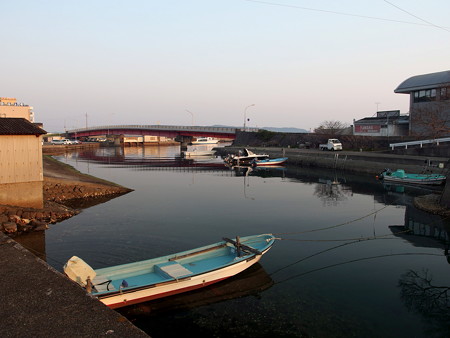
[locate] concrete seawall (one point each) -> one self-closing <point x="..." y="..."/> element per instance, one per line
<point x="371" y="163"/>
<point x="38" y="301"/>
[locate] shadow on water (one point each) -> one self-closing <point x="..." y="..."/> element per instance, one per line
<point x="248" y="283"/>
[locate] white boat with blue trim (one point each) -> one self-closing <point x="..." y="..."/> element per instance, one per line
<point x="399" y="176"/>
<point x="269" y="161"/>
<point x="133" y="283"/>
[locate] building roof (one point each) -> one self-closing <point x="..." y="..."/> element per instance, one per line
<point x="18" y="126"/>
<point x="426" y="81"/>
<point x="402" y="119"/>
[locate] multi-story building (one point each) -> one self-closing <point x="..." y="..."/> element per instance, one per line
<point x="429" y="104"/>
<point x="10" y="108"/>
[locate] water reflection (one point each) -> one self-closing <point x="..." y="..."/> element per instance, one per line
<point x="332" y="192"/>
<point x="336" y="275"/>
<point x="34" y="242"/>
<point x="250" y="282"/>
<point x="429" y="298"/>
<point x="145" y="157"/>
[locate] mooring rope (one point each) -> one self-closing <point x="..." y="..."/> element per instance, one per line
<point x="333" y="226"/>
<point x="354" y="261"/>
<point x="357" y="239"/>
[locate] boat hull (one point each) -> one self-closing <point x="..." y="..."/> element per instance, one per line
<point x="399" y="176"/>
<point x="132" y="283"/>
<point x="205" y="141"/>
<point x="424" y="181"/>
<point x="198" y="153"/>
<point x="275" y="161"/>
<point x="175" y="287"/>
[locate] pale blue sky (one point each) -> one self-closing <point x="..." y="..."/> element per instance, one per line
<point x="150" y="62"/>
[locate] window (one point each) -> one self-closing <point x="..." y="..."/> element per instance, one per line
<point x="445" y="93"/>
<point x="425" y="95"/>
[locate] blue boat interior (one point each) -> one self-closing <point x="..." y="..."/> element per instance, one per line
<point x="170" y="268"/>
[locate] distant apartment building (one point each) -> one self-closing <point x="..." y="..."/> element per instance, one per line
<point x="386" y="123"/>
<point x="10" y="108"/>
<point x="429" y="104"/>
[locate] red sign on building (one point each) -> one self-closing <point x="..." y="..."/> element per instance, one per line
<point x="367" y="128"/>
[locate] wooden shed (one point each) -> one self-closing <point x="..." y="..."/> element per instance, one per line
<point x="21" y="172"/>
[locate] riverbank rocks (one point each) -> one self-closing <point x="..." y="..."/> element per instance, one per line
<point x="16" y="220"/>
<point x="431" y="203"/>
<point x="60" y="192"/>
<point x="58" y="195"/>
<point x="9" y="227"/>
<point x="66" y="191"/>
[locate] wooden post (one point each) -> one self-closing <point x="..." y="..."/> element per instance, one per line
<point x="238" y="246"/>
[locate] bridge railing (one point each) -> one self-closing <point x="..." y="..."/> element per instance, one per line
<point x="421" y="142"/>
<point x="227" y="130"/>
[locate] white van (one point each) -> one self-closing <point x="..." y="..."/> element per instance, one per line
<point x="63" y="141"/>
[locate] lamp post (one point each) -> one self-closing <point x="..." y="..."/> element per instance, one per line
<point x="192" y="116"/>
<point x="245" y="115"/>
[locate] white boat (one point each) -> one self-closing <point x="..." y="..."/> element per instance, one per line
<point x="399" y="176"/>
<point x="133" y="283"/>
<point x="205" y="140"/>
<point x="195" y="153"/>
<point x="244" y="157"/>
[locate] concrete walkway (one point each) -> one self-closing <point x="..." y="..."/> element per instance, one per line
<point x="38" y="301"/>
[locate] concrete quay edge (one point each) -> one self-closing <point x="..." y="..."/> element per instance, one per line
<point x="359" y="162"/>
<point x="38" y="301"/>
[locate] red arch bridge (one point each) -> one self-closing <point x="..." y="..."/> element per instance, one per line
<point x="182" y="134"/>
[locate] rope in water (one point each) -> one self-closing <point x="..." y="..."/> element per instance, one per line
<point x="353" y="261"/>
<point x="357" y="239"/>
<point x="333" y="226"/>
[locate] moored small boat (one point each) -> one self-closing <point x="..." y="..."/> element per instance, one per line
<point x="205" y="140"/>
<point x="133" y="283"/>
<point x="244" y="157"/>
<point x="399" y="176"/>
<point x="196" y="152"/>
<point x="269" y="161"/>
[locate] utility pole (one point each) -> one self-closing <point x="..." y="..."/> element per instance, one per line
<point x="377" y="103"/>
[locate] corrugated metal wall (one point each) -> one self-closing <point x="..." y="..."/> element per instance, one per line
<point x="20" y="159"/>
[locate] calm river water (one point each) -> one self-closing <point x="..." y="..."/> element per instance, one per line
<point x="354" y="259"/>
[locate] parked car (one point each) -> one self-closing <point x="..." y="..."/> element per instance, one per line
<point x="59" y="142"/>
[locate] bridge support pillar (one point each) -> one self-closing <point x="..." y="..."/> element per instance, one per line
<point x="184" y="141"/>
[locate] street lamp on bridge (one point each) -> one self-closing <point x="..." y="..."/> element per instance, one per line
<point x="245" y="115"/>
<point x="192" y="116"/>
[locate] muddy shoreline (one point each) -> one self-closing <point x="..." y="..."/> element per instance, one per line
<point x="66" y="192"/>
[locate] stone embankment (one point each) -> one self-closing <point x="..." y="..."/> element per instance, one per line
<point x="63" y="186"/>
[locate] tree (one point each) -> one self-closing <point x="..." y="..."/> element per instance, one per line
<point x="331" y="127"/>
<point x="432" y="120"/>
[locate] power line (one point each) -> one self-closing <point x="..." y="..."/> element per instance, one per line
<point x="415" y="16"/>
<point x="344" y="14"/>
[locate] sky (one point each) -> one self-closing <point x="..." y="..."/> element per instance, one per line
<point x="281" y="63"/>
